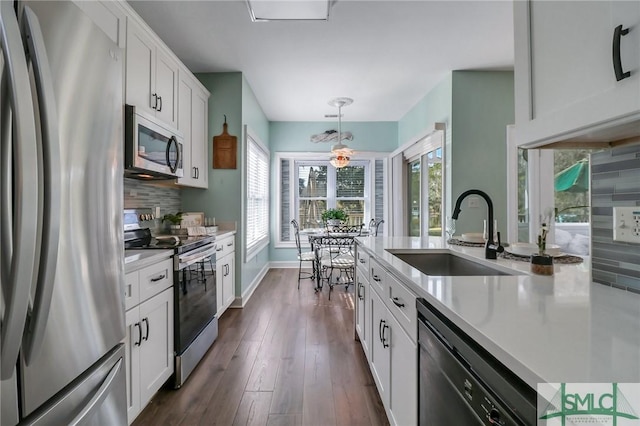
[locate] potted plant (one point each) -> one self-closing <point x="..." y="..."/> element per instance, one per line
<point x="541" y="262"/>
<point x="174" y="221"/>
<point x="334" y="217"/>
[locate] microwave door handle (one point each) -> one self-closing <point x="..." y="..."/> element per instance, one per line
<point x="39" y="315"/>
<point x="24" y="197"/>
<point x="173" y="167"/>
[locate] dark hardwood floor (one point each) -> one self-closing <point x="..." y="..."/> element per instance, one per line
<point x="288" y="358"/>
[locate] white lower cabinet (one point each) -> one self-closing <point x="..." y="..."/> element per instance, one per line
<point x="149" y="338"/>
<point x="225" y="273"/>
<point x="362" y="302"/>
<point x="392" y="349"/>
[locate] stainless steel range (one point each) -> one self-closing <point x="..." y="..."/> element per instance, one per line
<point x="194" y="269"/>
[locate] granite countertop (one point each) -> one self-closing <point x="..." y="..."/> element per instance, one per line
<point x="562" y="328"/>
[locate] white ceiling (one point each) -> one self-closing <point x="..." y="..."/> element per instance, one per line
<point x="386" y="55"/>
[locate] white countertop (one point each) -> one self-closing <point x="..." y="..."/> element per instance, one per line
<point x="562" y="328"/>
<point x="138" y="259"/>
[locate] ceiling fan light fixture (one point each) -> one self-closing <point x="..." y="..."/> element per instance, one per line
<point x="340" y="153"/>
<point x="339" y="161"/>
<point x="288" y="10"/>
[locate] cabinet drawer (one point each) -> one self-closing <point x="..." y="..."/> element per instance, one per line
<point x="362" y="260"/>
<point x="377" y="278"/>
<point x="155" y="278"/>
<point x="402" y="304"/>
<point x="131" y="290"/>
<point x="225" y="246"/>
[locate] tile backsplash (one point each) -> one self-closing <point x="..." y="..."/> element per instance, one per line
<point x="145" y="194"/>
<point x="615" y="181"/>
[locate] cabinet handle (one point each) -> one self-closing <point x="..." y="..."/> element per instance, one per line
<point x="139" y="327"/>
<point x="197" y="173"/>
<point x="230" y="244"/>
<point x="380" y="331"/>
<point x="361" y="261"/>
<point x="618" y="32"/>
<point x="396" y="302"/>
<point x="155" y="101"/>
<point x="376" y="278"/>
<point x="359" y="293"/>
<point x="146" y="335"/>
<point x="158" y="278"/>
<point x="194" y="173"/>
<point x="160" y="109"/>
<point x="384" y="339"/>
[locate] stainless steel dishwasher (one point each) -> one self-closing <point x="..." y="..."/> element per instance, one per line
<point x="463" y="384"/>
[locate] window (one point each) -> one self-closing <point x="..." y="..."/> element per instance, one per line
<point x="309" y="185"/>
<point x="257" y="207"/>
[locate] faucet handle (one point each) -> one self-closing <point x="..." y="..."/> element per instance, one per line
<point x="499" y="248"/>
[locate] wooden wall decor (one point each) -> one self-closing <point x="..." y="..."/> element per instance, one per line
<point x="225" y="149"/>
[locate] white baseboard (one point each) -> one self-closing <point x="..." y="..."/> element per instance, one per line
<point x="241" y="301"/>
<point x="284" y="264"/>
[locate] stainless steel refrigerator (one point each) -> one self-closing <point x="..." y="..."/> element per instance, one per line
<point x="62" y="307"/>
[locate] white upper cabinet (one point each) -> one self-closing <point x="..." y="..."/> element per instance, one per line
<point x="193" y="107"/>
<point x="151" y="76"/>
<point x="567" y="88"/>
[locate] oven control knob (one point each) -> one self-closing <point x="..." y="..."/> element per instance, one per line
<point x="494" y="417"/>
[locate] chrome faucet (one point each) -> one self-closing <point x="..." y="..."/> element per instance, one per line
<point x="491" y="248"/>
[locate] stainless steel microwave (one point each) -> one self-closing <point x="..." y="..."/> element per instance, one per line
<point x="152" y="149"/>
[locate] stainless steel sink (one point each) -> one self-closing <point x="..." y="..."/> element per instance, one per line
<point x="445" y="264"/>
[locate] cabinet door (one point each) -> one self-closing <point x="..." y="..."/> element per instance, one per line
<point x="362" y="301"/>
<point x="166" y="88"/>
<point x="199" y="136"/>
<point x="156" y="349"/>
<point x="379" y="346"/>
<point x="229" y="280"/>
<point x="403" y="398"/>
<point x="571" y="83"/>
<point x="220" y="269"/>
<point x="185" y="102"/>
<point x="141" y="70"/>
<point x="132" y="362"/>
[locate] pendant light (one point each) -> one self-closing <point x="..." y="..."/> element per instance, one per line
<point x="340" y="153"/>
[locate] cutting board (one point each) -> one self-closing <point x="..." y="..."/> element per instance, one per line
<point x="225" y="148"/>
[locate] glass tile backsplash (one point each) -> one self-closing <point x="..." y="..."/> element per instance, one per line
<point x="615" y="181"/>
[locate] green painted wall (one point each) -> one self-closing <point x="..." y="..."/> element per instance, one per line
<point x="224" y="200"/>
<point x="482" y="107"/>
<point x="476" y="107"/>
<point x="294" y="136"/>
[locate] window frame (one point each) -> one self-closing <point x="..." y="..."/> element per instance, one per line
<point x="318" y="158"/>
<point x="257" y="244"/>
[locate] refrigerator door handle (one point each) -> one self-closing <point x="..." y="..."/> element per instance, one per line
<point x="39" y="314"/>
<point x="24" y="198"/>
<point x="96" y="400"/>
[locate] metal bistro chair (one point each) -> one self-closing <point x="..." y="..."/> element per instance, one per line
<point x="348" y="230"/>
<point x="374" y="226"/>
<point x="334" y="254"/>
<point x="307" y="256"/>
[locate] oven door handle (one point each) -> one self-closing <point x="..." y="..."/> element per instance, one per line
<point x="196" y="257"/>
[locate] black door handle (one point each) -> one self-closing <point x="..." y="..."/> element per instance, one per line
<point x="155" y="101"/>
<point x="384" y="339"/>
<point x="618" y="32"/>
<point x="158" y="278"/>
<point x="396" y="302"/>
<point x="139" y="327"/>
<point x="146" y="335"/>
<point x="380" y="331"/>
<point x="173" y="167"/>
<point x="160" y="109"/>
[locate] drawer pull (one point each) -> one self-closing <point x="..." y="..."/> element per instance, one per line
<point x="396" y="302"/>
<point x="362" y="261"/>
<point x="146" y="321"/>
<point x="158" y="278"/>
<point x="139" y="327"/>
<point x="220" y="249"/>
<point x="376" y="278"/>
<point x="230" y="244"/>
